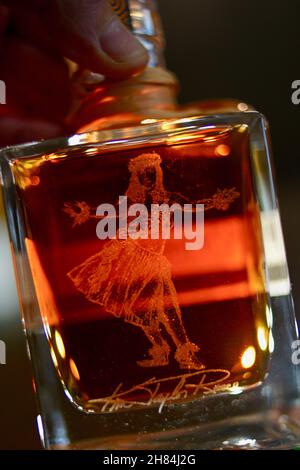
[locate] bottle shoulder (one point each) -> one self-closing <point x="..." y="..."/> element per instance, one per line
<point x="133" y="117"/>
<point x="100" y="104"/>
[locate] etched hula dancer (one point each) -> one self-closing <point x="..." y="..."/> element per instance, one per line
<point x="132" y="279"/>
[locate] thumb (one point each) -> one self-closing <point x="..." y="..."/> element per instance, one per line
<point x="91" y="34"/>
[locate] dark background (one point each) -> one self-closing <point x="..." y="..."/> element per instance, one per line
<point x="249" y="50"/>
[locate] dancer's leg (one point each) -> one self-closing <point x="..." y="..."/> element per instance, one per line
<point x="159" y="352"/>
<point x="170" y="316"/>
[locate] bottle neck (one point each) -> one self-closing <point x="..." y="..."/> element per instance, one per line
<point x="114" y="104"/>
<point x="142" y="18"/>
<point x="101" y="103"/>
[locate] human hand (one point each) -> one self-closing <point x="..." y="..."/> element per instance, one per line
<point x="35" y="36"/>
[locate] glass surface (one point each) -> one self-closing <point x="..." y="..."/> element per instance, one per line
<point x="156" y="341"/>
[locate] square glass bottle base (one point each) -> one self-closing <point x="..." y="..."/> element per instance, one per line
<point x="266" y="416"/>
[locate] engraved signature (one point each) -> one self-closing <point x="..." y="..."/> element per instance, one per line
<point x="185" y="386"/>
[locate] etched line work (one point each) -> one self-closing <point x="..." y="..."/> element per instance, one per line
<point x="132" y="279"/>
<point x="185" y="386"/>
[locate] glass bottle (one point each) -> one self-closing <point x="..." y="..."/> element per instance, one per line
<point x="151" y="269"/>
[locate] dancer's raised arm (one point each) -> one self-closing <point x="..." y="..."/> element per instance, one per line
<point x="221" y="200"/>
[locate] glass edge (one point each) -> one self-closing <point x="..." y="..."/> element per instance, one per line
<point x="149" y="131"/>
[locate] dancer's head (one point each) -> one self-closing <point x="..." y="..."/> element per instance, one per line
<point x="146" y="179"/>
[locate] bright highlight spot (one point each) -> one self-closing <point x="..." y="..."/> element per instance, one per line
<point x="269" y="317"/>
<point x="53" y="357"/>
<point x="235" y="389"/>
<point x="60" y="345"/>
<point x="222" y="150"/>
<point x="74" y="370"/>
<point x="108" y="99"/>
<point x="91" y="150"/>
<point x="271" y="343"/>
<point x="242" y="128"/>
<point x="262" y="338"/>
<point x="248" y="357"/>
<point x="149" y="121"/>
<point x="243" y="107"/>
<point x="40" y="428"/>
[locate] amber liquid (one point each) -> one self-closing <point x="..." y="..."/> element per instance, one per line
<point x="219" y="291"/>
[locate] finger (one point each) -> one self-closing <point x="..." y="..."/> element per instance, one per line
<point x="91" y="34"/>
<point x="17" y="131"/>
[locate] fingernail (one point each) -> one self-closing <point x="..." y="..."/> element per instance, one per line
<point x="121" y="45"/>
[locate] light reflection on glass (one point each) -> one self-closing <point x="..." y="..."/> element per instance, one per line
<point x="60" y="345"/>
<point x="262" y="338"/>
<point x="222" y="150"/>
<point x="248" y="357"/>
<point x="243" y="107"/>
<point x="271" y="343"/>
<point x="53" y="357"/>
<point x="74" y="370"/>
